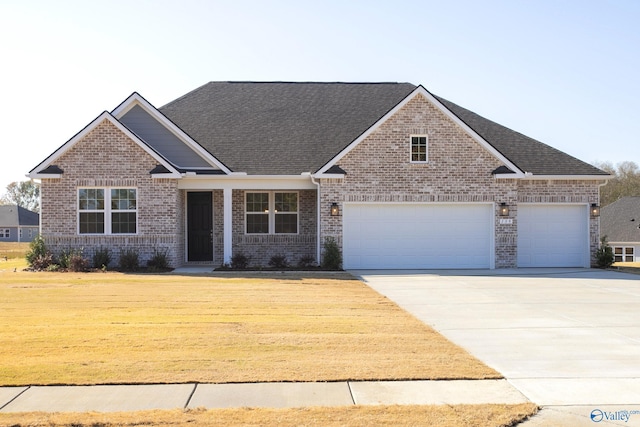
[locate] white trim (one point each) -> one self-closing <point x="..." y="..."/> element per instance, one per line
<point x="227" y="218"/>
<point x="107" y="211"/>
<point x="272" y="212"/>
<point x="247" y="182"/>
<point x="422" y="91"/>
<point x="426" y="149"/>
<point x="328" y="176"/>
<point x="136" y="99"/>
<point x="564" y="177"/>
<point x="105" y="116"/>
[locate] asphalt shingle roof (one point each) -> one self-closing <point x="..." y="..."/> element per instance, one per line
<point x="620" y="221"/>
<point x="274" y="128"/>
<point x="527" y="153"/>
<point x="281" y="128"/>
<point x="13" y="216"/>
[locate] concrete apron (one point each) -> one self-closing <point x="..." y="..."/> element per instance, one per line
<point x="562" y="337"/>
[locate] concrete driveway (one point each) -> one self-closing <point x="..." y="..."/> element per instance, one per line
<point x="560" y="336"/>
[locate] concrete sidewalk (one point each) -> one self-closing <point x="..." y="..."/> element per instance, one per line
<point x="115" y="398"/>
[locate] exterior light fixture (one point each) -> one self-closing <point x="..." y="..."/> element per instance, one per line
<point x="334" y="209"/>
<point x="595" y="210"/>
<point x="504" y="209"/>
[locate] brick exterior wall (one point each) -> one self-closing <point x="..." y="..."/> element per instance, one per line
<point x="106" y="157"/>
<point x="459" y="170"/>
<point x="261" y="247"/>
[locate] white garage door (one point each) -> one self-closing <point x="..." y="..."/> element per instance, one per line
<point x="553" y="236"/>
<point x="414" y="236"/>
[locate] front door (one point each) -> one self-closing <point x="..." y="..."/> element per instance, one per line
<point x="199" y="226"/>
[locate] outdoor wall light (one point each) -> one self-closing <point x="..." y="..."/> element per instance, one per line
<point x="504" y="209"/>
<point x="335" y="211"/>
<point x="595" y="210"/>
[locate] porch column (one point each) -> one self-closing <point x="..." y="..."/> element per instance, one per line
<point x="227" y="230"/>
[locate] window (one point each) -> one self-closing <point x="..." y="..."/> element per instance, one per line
<point x="623" y="254"/>
<point x="271" y="213"/>
<point x="107" y="211"/>
<point x="5" y="233"/>
<point x="419" y="151"/>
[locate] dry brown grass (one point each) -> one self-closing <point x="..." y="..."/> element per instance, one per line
<point x="442" y="416"/>
<point x="12" y="255"/>
<point x="109" y="328"/>
<point x="627" y="267"/>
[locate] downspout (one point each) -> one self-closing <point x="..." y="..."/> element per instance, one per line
<point x="317" y="184"/>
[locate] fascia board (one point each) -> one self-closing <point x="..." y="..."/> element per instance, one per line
<point x="137" y="99"/>
<point x="84" y="132"/>
<point x="568" y="177"/>
<point x="247" y="182"/>
<point x="44" y="175"/>
<point x="328" y="176"/>
<point x="420" y="90"/>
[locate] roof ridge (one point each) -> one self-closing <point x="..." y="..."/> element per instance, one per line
<point x="304" y="82"/>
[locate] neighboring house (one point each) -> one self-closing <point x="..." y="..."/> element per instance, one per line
<point x="18" y="224"/>
<point x="399" y="177"/>
<point x="620" y="223"/>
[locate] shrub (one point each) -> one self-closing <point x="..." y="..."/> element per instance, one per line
<point x="332" y="256"/>
<point x="239" y="261"/>
<point x="279" y="261"/>
<point x="158" y="261"/>
<point x="604" y="254"/>
<point x="306" y="261"/>
<point x="37" y="252"/>
<point x="102" y="258"/>
<point x="66" y="256"/>
<point x="76" y="262"/>
<point x="43" y="262"/>
<point x="129" y="260"/>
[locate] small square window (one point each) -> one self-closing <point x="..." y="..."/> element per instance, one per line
<point x="419" y="149"/>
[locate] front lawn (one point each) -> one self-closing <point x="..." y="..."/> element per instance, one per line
<point x="110" y="328"/>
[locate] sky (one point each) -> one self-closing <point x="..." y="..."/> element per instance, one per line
<point x="563" y="72"/>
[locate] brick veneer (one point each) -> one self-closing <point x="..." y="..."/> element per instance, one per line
<point x="459" y="170"/>
<point x="106" y="157"/>
<point x="260" y="248"/>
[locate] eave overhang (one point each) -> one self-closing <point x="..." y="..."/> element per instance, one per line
<point x="137" y="99"/>
<point x="421" y="91"/>
<point x="42" y="170"/>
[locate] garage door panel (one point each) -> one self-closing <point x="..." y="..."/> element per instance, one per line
<point x="553" y="236"/>
<point x="417" y="236"/>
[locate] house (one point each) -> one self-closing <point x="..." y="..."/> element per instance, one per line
<point x="620" y="223"/>
<point x="18" y="224"/>
<point x="397" y="176"/>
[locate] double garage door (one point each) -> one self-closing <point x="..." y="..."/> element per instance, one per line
<point x="390" y="236"/>
<point x="452" y="236"/>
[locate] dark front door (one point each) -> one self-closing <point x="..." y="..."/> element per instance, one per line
<point x="200" y="226"/>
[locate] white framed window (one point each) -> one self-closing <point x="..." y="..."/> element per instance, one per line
<point x="107" y="211"/>
<point x="5" y="233"/>
<point x="623" y="254"/>
<point x="271" y="212"/>
<point x="419" y="148"/>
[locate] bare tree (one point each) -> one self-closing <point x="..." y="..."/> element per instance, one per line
<point x="625" y="181"/>
<point x="25" y="194"/>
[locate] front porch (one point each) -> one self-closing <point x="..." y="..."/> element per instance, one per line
<point x="256" y="222"/>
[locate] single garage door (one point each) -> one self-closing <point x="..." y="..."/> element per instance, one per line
<point x="553" y="236"/>
<point x="416" y="236"/>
